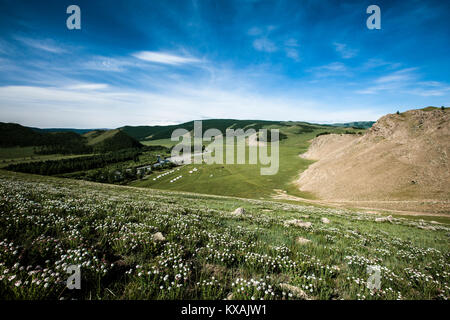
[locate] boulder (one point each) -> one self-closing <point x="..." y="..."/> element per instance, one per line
<point x="384" y="219"/>
<point x="427" y="228"/>
<point x="325" y="220"/>
<point x="230" y="296"/>
<point x="238" y="212"/>
<point x="301" y="240"/>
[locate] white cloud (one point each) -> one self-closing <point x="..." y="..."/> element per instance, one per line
<point x="344" y="50"/>
<point x="404" y="76"/>
<point x="94" y="105"/>
<point x="164" y="58"/>
<point x="264" y="44"/>
<point x="405" y="81"/>
<point x="47" y="45"/>
<point x="107" y="64"/>
<point x="88" y="86"/>
<point x="376" y="63"/>
<point x="293" y="54"/>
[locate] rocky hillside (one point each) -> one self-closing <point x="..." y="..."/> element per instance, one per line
<point x="402" y="161"/>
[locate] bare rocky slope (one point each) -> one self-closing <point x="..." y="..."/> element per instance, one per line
<point x="400" y="163"/>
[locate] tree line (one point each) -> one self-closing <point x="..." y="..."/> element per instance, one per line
<point x="52" y="167"/>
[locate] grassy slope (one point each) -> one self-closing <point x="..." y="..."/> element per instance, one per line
<point x="96" y="137"/>
<point x="245" y="180"/>
<point x="159" y="142"/>
<point x="111" y="226"/>
<point x="16" y="152"/>
<point x="25" y="154"/>
<point x="110" y="140"/>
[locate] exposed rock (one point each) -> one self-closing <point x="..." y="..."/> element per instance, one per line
<point x="297" y="223"/>
<point x="158" y="237"/>
<point x="301" y="240"/>
<point x="384" y="219"/>
<point x="238" y="212"/>
<point x="230" y="296"/>
<point x="427" y="228"/>
<point x="296" y="291"/>
<point x="325" y="220"/>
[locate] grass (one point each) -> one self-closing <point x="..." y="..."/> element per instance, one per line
<point x="26" y="154"/>
<point x="47" y="224"/>
<point x="246" y="180"/>
<point x="159" y="142"/>
<point x="96" y="137"/>
<point x="16" y="152"/>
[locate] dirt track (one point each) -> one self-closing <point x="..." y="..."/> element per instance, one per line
<point x="375" y="207"/>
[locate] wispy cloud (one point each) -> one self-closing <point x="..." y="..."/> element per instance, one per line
<point x="88" y="86"/>
<point x="344" y="50"/>
<point x="264" y="44"/>
<point x="291" y="48"/>
<point x="430" y="89"/>
<point x="46" y="45"/>
<point x="94" y="105"/>
<point x="402" y="76"/>
<point x="164" y="58"/>
<point x="373" y="63"/>
<point x="292" y="53"/>
<point x="406" y="81"/>
<point x="330" y="70"/>
<point x="101" y="63"/>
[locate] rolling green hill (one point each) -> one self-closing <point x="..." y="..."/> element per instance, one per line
<point x="13" y="135"/>
<point x="110" y="140"/>
<point x="165" y="132"/>
<point x="79" y="131"/>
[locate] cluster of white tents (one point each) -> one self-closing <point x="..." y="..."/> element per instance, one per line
<point x="165" y="174"/>
<point x="175" y="179"/>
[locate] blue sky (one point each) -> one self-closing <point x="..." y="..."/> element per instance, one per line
<point x="161" y="62"/>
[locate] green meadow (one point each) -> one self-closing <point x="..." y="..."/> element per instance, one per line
<point x="138" y="243"/>
<point x="244" y="180"/>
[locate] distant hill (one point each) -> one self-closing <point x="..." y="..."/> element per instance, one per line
<point x="356" y="124"/>
<point x="79" y="131"/>
<point x="64" y="142"/>
<point x="402" y="157"/>
<point x="165" y="132"/>
<point x="110" y="140"/>
<point x="13" y="134"/>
